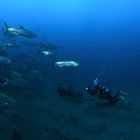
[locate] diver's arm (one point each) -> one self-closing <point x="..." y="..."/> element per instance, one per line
<point x="91" y="91"/>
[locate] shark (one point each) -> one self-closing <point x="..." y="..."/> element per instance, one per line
<point x="21" y="31"/>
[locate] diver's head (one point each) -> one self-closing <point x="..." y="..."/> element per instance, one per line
<point x="95" y="82"/>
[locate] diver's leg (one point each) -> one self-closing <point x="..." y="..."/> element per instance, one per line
<point x="116" y="95"/>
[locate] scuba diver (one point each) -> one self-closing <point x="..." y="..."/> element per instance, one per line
<point x="104" y="93"/>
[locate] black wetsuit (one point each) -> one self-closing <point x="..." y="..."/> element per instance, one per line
<point x="102" y="93"/>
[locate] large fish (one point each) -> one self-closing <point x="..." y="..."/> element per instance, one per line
<point x="67" y="64"/>
<point x="48" y="46"/>
<point x="21" y="31"/>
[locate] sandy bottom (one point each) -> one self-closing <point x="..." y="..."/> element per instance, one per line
<point x="51" y="117"/>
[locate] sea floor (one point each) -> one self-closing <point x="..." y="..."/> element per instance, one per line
<point x="51" y="117"/>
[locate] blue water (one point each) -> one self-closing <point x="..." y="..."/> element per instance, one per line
<point x="102" y="35"/>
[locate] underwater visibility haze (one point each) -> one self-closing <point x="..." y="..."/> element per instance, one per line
<point x="70" y="70"/>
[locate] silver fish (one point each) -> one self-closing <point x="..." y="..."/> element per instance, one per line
<point x="67" y="64"/>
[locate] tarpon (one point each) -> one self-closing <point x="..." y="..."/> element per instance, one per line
<point x="67" y="64"/>
<point x="48" y="46"/>
<point x="21" y="31"/>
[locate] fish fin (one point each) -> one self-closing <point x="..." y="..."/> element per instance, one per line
<point x="6" y="25"/>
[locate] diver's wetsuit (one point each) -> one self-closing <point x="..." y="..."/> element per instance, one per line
<point x="102" y="93"/>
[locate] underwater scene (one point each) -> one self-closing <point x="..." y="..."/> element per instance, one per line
<point x="69" y="70"/>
